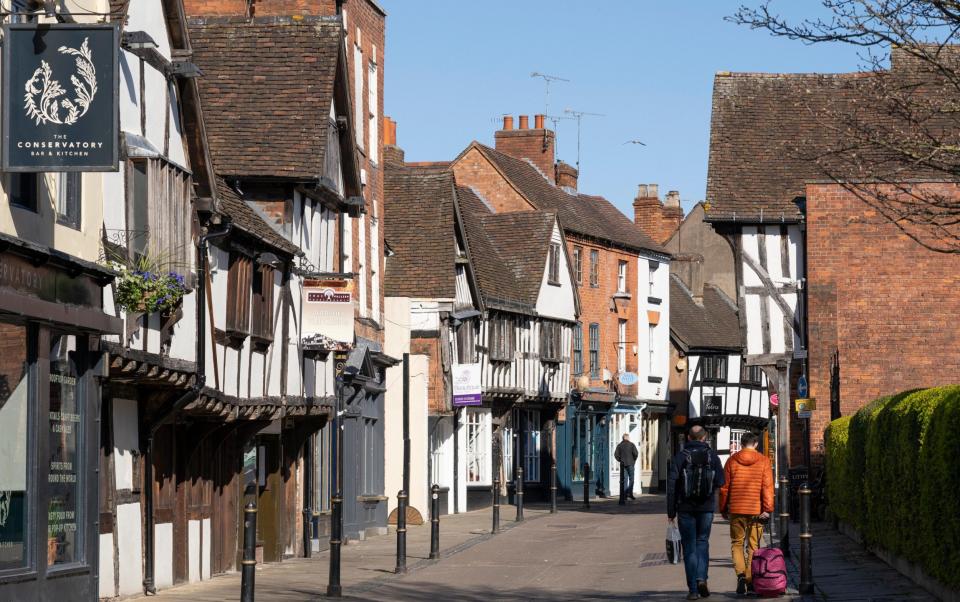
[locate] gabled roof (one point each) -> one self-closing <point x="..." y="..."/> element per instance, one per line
<point x="591" y="216"/>
<point x="245" y="218"/>
<point x="419" y="227"/>
<point x="267" y="89"/>
<point x="710" y="326"/>
<point x="524" y="237"/>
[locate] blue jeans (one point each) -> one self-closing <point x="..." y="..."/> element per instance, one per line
<point x="695" y="537"/>
<point x="626" y="481"/>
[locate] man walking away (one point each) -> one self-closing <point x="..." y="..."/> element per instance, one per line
<point x="626" y="454"/>
<point x="746" y="499"/>
<point x="695" y="476"/>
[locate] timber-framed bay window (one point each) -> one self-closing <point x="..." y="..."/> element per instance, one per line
<point x="239" y="298"/>
<point x="477" y="425"/>
<point x="501" y="338"/>
<point x="713" y="369"/>
<point x="551" y="342"/>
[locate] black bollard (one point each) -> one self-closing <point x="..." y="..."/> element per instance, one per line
<point x="334" y="590"/>
<point x="553" y="488"/>
<point x="401" y="532"/>
<point x="435" y="522"/>
<point x="496" y="506"/>
<point x="519" y="492"/>
<point x="785" y="516"/>
<point x="249" y="562"/>
<point x="586" y="486"/>
<point x="307" y="533"/>
<point x="806" y="537"/>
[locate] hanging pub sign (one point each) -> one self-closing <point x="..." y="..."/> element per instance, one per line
<point x="327" y="314"/>
<point x="60" y="97"/>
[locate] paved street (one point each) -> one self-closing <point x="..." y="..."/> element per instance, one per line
<point x="608" y="553"/>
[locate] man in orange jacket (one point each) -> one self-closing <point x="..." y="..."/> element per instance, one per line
<point x="746" y="499"/>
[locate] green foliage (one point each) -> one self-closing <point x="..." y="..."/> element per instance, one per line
<point x="147" y="288"/>
<point x="893" y="473"/>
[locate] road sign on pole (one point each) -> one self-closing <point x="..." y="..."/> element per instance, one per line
<point x="802" y="388"/>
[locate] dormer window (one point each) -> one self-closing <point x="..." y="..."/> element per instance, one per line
<point x="553" y="275"/>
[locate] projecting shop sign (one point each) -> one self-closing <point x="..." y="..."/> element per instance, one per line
<point x="467" y="390"/>
<point x="60" y="97"/>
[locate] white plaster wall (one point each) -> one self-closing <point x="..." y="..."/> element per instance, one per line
<point x="205" y="549"/>
<point x="661" y="342"/>
<point x="557" y="301"/>
<point x="129" y="549"/>
<point x="163" y="554"/>
<point x="393" y="435"/>
<point x="274" y="365"/>
<point x="125" y="441"/>
<point x="193" y="551"/>
<point x="183" y="344"/>
<point x="461" y="485"/>
<point x="105" y="585"/>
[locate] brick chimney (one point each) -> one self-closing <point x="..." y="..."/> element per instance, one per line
<point x="392" y="153"/>
<point x="658" y="220"/>
<point x="672" y="214"/>
<point x="536" y="144"/>
<point x="566" y="175"/>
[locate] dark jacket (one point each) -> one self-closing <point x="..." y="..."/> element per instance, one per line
<point x="675" y="501"/>
<point x="626" y="453"/>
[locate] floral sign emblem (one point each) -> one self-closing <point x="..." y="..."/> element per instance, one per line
<point x="43" y="100"/>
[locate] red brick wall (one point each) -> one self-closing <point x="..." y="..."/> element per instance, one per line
<point x="537" y="145"/>
<point x="886" y="303"/>
<point x="260" y="8"/>
<point x="595" y="307"/>
<point x="657" y="222"/>
<point x="473" y="169"/>
<point x="437" y="394"/>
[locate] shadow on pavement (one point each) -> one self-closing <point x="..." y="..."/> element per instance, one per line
<point x="418" y="591"/>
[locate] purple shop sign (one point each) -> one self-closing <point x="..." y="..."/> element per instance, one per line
<point x="467" y="390"/>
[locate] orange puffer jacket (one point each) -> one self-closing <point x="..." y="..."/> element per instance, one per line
<point x="749" y="484"/>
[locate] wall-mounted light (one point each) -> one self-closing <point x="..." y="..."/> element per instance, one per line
<point x="137" y="40"/>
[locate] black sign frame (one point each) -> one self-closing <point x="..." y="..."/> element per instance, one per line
<point x="9" y="95"/>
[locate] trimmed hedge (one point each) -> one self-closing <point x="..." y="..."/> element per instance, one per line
<point x="893" y="473"/>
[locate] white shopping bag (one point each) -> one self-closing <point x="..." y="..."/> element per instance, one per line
<point x="674" y="550"/>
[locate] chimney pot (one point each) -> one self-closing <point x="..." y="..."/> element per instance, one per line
<point x="524" y="122"/>
<point x="673" y="199"/>
<point x="508" y="122"/>
<point x="654" y="191"/>
<point x="390" y="132"/>
<point x="538" y="122"/>
<point x="642" y="191"/>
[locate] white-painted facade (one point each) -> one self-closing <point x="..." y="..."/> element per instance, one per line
<point x="653" y="337"/>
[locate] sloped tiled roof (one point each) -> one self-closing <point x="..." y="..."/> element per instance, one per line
<point x="591" y="216"/>
<point x="419" y="227"/>
<point x="245" y="218"/>
<point x="524" y="240"/>
<point x="266" y="92"/>
<point x="714" y="325"/>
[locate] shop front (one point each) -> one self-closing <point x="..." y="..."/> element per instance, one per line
<point x="583" y="445"/>
<point x="50" y="328"/>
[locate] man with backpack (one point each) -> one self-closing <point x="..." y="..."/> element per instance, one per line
<point x="746" y="499"/>
<point x="694" y="478"/>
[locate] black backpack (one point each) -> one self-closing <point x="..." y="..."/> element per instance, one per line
<point x="697" y="475"/>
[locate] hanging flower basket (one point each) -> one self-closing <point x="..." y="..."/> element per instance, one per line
<point x="143" y="291"/>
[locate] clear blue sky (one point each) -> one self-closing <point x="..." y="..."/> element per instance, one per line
<point x="453" y="67"/>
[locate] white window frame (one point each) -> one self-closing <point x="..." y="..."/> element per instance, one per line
<point x="373" y="109"/>
<point x="362" y="264"/>
<point x="358" y="78"/>
<point x="375" y="264"/>
<point x="652" y="277"/>
<point x="622" y="276"/>
<point x="622" y="346"/>
<point x="477" y="439"/>
<point x="652" y="337"/>
<point x="507" y="448"/>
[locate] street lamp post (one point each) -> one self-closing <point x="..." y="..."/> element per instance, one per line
<point x="334" y="589"/>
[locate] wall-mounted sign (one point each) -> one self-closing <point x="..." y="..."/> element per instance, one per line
<point x="802" y="388"/>
<point x="60" y="97"/>
<point x="327" y="313"/>
<point x="467" y="390"/>
<point x="805" y="407"/>
<point x="628" y="379"/>
<point x="712" y="405"/>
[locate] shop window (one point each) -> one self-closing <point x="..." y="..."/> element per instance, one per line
<point x="15" y="443"/>
<point x="22" y="190"/>
<point x="478" y="446"/>
<point x="551" y="338"/>
<point x="531" y="445"/>
<point x="594" y="351"/>
<point x="64" y="506"/>
<point x="578" y="349"/>
<point x="553" y="264"/>
<point x="501" y="339"/>
<point x="508" y="443"/>
<point x="68" y="199"/>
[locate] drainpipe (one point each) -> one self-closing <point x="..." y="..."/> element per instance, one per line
<point x="149" y="587"/>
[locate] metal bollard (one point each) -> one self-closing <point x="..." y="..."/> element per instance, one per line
<point x="586" y="486"/>
<point x="334" y="589"/>
<point x="435" y="522"/>
<point x="249" y="562"/>
<point x="307" y="533"/>
<point x="785" y="516"/>
<point x="496" y="506"/>
<point x="553" y="488"/>
<point x="401" y="532"/>
<point x="519" y="493"/>
<point x="806" y="542"/>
